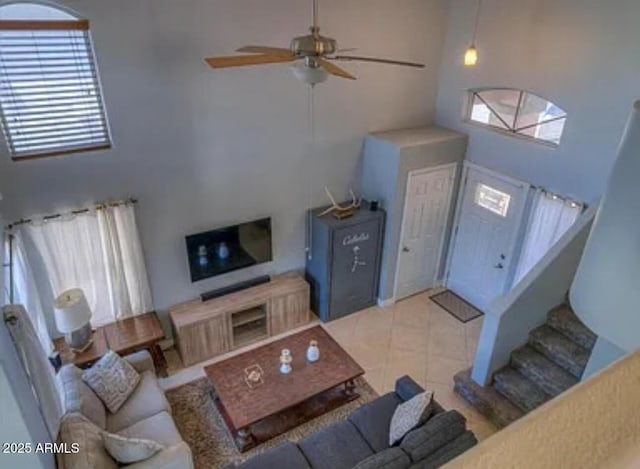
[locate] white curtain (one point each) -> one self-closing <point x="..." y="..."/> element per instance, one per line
<point x="99" y="252"/>
<point x="36" y="365"/>
<point x="122" y="250"/>
<point x="25" y="292"/>
<point x="551" y="217"/>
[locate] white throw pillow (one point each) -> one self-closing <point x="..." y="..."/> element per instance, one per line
<point x="409" y="415"/>
<point x="76" y="396"/>
<point x="90" y="452"/>
<point x="113" y="379"/>
<point x="129" y="450"/>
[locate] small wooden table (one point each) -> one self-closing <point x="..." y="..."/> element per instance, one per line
<point x="123" y="337"/>
<point x="257" y="412"/>
<point x="88" y="357"/>
<point x="137" y="333"/>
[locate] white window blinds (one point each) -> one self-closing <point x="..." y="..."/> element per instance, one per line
<point x="50" y="94"/>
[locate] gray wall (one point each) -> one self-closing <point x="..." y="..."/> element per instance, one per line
<point x="604" y="353"/>
<point x="580" y="54"/>
<point x="388" y="157"/>
<point x="605" y="291"/>
<point x="201" y="148"/>
<point x="20" y="419"/>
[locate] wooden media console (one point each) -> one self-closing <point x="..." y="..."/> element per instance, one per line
<point x="205" y="329"/>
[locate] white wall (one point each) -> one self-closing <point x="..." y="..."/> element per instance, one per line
<point x="13" y="429"/>
<point x="20" y="417"/>
<point x="605" y="292"/>
<point x="201" y="148"/>
<point x="20" y="420"/>
<point x="580" y="54"/>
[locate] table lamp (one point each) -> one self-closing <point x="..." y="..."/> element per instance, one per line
<point x="72" y="315"/>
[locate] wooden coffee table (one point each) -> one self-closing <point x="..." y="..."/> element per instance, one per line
<point x="257" y="412"/>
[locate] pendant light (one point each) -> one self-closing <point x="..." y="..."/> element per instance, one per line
<point x="471" y="55"/>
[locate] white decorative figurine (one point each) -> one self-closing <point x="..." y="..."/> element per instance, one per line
<point x="313" y="352"/>
<point x="285" y="362"/>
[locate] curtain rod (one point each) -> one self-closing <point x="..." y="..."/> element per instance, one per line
<point x="99" y="206"/>
<point x="559" y="196"/>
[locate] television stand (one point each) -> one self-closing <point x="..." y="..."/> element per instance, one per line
<point x="203" y="330"/>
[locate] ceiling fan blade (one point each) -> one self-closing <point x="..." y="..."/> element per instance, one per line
<point x="244" y="60"/>
<point x="275" y="51"/>
<point x="349" y="58"/>
<point x="335" y="70"/>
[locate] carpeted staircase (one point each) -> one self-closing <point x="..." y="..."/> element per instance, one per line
<point x="552" y="361"/>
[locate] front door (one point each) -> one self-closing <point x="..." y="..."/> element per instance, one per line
<point x="485" y="239"/>
<point x="426" y="212"/>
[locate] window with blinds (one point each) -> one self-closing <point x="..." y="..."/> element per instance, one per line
<point x="50" y="97"/>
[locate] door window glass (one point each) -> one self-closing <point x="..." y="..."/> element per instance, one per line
<point x="492" y="199"/>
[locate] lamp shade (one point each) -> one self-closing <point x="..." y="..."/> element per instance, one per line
<point x="71" y="310"/>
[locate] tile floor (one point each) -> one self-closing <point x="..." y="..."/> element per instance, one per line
<point x="414" y="336"/>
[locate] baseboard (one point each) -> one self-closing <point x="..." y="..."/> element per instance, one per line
<point x="388" y="302"/>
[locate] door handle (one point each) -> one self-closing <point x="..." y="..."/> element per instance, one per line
<point x="405" y="249"/>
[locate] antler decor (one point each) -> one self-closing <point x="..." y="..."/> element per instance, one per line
<point x="340" y="211"/>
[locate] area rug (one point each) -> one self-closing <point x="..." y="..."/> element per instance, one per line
<point x="459" y="308"/>
<point x="203" y="429"/>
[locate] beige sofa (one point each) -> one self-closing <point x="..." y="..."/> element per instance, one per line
<point x="146" y="414"/>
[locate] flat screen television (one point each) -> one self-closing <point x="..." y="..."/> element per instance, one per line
<point x="231" y="248"/>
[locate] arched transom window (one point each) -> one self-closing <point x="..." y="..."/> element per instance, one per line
<point x="517" y="112"/>
<point x="50" y="97"/>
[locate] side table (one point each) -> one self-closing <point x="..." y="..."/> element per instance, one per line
<point x="137" y="333"/>
<point x="88" y="357"/>
<point x="123" y="337"/>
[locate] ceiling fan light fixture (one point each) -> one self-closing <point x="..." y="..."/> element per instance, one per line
<point x="315" y="56"/>
<point x="309" y="75"/>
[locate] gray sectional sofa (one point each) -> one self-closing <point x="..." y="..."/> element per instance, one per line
<point x="362" y="440"/>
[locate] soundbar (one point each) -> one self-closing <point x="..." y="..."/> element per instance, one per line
<point x="210" y="295"/>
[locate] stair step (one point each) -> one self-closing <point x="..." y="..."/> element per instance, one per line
<point x="497" y="408"/>
<point x="561" y="350"/>
<point x="548" y="376"/>
<point x="565" y="321"/>
<point x="518" y="389"/>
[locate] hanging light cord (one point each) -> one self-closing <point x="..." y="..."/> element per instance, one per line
<point x="315" y="13"/>
<point x="310" y="164"/>
<point x="477" y="22"/>
<point x="311" y="152"/>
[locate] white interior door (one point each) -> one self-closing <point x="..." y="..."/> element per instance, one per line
<point x="426" y="211"/>
<point x="489" y="219"/>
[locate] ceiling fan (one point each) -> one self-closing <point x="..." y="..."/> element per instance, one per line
<point x="313" y="54"/>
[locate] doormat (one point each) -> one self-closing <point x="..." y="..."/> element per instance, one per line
<point x="460" y="309"/>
